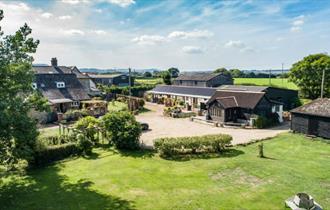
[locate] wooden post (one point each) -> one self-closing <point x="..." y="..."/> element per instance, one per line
<point x="60" y="129"/>
<point x="261" y="150"/>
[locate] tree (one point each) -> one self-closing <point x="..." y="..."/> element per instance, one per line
<point x="166" y="78"/>
<point x="18" y="131"/>
<point x="123" y="128"/>
<point x="147" y="74"/>
<point x="236" y="73"/>
<point x="88" y="126"/>
<point x="307" y="75"/>
<point x="174" y="72"/>
<point x="222" y="71"/>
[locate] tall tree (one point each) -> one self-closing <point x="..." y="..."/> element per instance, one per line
<point x="166" y="77"/>
<point x="236" y="73"/>
<point x="307" y="75"/>
<point x="222" y="70"/>
<point x="174" y="72"/>
<point x="17" y="130"/>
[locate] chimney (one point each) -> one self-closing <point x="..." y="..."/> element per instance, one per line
<point x="54" y="61"/>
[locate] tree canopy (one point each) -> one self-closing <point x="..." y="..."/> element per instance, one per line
<point x="307" y="75"/>
<point x="17" y="130"/>
<point x="174" y="72"/>
<point x="222" y="70"/>
<point x="166" y="78"/>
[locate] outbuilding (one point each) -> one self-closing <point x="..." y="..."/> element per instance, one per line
<point x="312" y="118"/>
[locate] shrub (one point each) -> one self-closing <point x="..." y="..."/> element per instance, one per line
<point x="196" y="144"/>
<point x="268" y="121"/>
<point x="84" y="144"/>
<point x="88" y="126"/>
<point x="53" y="153"/>
<point x="123" y="129"/>
<point x="75" y="114"/>
<point x="141" y="103"/>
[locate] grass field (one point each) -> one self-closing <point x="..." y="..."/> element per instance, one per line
<point x="265" y="82"/>
<point x="142" y="180"/>
<point x="151" y="81"/>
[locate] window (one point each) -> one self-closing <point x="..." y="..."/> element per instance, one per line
<point x="277" y="108"/>
<point x="195" y="82"/>
<point x="60" y="84"/>
<point x="75" y="103"/>
<point x="34" y="86"/>
<point x="123" y="77"/>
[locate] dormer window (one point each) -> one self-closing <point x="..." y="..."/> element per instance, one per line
<point x="60" y="84"/>
<point x="34" y="86"/>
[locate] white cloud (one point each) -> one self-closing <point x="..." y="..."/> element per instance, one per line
<point x="297" y="23"/>
<point x="192" y="50"/>
<point x="192" y="34"/>
<point x="73" y="32"/>
<point x="46" y="15"/>
<point x="99" y="32"/>
<point x="74" y="2"/>
<point x="235" y="44"/>
<point x="65" y="17"/>
<point x="122" y="3"/>
<point x="98" y="10"/>
<point x="149" y="39"/>
<point x="238" y="44"/>
<point x="20" y="7"/>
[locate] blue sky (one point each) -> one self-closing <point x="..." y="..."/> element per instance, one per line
<point x="191" y="34"/>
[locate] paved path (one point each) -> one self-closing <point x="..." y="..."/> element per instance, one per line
<point x="161" y="126"/>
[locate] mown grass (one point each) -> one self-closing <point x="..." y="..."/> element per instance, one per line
<point x="149" y="81"/>
<point x="276" y="82"/>
<point x="117" y="106"/>
<point x="142" y="180"/>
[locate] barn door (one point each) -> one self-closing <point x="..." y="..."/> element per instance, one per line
<point x="313" y="126"/>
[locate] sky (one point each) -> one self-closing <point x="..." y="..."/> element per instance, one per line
<point x="187" y="34"/>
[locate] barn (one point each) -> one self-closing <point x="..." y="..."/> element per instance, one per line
<point x="312" y="118"/>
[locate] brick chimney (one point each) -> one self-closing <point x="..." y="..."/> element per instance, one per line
<point x="53" y="61"/>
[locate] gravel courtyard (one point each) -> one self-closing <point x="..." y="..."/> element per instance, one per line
<point x="161" y="126"/>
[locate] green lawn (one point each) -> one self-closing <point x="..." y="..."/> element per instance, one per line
<point x="265" y="81"/>
<point x="142" y="180"/>
<point x="149" y="81"/>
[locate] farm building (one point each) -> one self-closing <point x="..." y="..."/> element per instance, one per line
<point x="195" y="97"/>
<point x="84" y="79"/>
<point x="241" y="106"/>
<point x="203" y="80"/>
<point x="112" y="79"/>
<point x="286" y="96"/>
<point x="312" y="118"/>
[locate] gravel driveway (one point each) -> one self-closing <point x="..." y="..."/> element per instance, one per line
<point x="161" y="126"/>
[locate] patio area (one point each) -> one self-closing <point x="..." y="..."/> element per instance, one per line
<point x="161" y="126"/>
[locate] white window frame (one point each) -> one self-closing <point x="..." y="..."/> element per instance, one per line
<point x="75" y="103"/>
<point x="34" y="86"/>
<point x="60" y="84"/>
<point x="123" y="77"/>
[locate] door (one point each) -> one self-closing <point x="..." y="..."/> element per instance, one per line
<point x="313" y="125"/>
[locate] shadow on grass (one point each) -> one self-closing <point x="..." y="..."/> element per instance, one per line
<point x="48" y="189"/>
<point x="142" y="153"/>
<point x="186" y="157"/>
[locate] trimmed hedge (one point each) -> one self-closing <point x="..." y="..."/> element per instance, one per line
<point x="53" y="153"/>
<point x="192" y="145"/>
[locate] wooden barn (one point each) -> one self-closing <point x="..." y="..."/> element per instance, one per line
<point x="241" y="106"/>
<point x="312" y="118"/>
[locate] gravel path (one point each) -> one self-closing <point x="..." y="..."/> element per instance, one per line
<point x="161" y="126"/>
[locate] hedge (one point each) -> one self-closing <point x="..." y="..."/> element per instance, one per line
<point x="53" y="153"/>
<point x="192" y="145"/>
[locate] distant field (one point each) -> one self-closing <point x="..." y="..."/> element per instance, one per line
<point x="265" y="81"/>
<point x="149" y="81"/>
<point x="238" y="81"/>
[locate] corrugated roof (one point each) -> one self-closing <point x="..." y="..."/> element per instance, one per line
<point x="184" y="90"/>
<point x="197" y="76"/>
<point x="318" y="107"/>
<point x="244" y="99"/>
